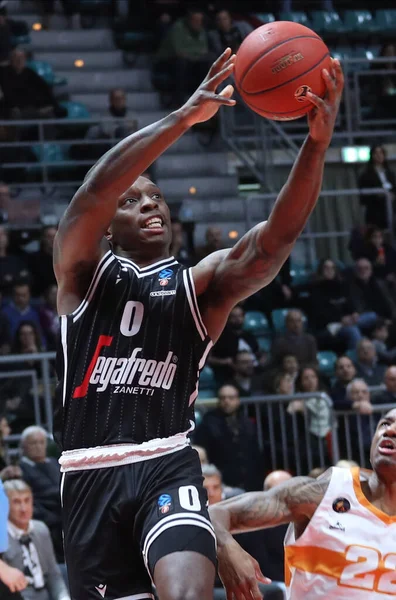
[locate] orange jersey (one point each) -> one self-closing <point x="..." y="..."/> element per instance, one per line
<point x="348" y="549"/>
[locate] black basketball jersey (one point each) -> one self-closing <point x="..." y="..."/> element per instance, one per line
<point x="129" y="356"/>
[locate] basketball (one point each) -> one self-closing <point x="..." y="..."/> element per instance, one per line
<point x="276" y="65"/>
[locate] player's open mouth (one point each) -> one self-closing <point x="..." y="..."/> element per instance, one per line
<point x="387" y="446"/>
<point x="153" y="223"/>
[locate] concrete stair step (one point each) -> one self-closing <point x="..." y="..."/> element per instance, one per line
<point x="81" y="39"/>
<point x="83" y="82"/>
<point x="100" y="60"/>
<point x="99" y="102"/>
<point x="208" y="188"/>
<point x="200" y="163"/>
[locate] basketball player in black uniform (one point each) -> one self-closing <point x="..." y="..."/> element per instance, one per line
<point x="136" y="328"/>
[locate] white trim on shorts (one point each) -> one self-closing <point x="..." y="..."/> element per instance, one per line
<point x="137" y="597"/>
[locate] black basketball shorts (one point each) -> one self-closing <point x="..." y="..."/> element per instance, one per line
<point x="119" y="521"/>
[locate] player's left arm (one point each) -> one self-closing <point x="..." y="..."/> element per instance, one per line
<point x="227" y="277"/>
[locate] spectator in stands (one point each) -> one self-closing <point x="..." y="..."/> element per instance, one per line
<point x="43" y="475"/>
<point x="379" y="336"/>
<point x="377" y="174"/>
<point x="178" y="249"/>
<point x="5" y="200"/>
<point x="290" y="365"/>
<point x="8" y="29"/>
<point x="232" y="340"/>
<point x="334" y="323"/>
<point x="367" y="366"/>
<point x="5" y="431"/>
<point x="184" y="55"/>
<point x="123" y="124"/>
<point x="230" y="440"/>
<point x="278" y="294"/>
<point x="5" y="333"/>
<point x="19" y="309"/>
<point x="244" y="379"/>
<point x="41" y="262"/>
<point x="283" y="384"/>
<point x="28" y="341"/>
<point x="12" y="268"/>
<point x="214" y="242"/>
<point x="203" y="457"/>
<point x="49" y="319"/>
<point x="213" y="483"/>
<point x="388" y="396"/>
<point x="295" y="341"/>
<point x="29" y="547"/>
<point x="370" y="296"/>
<point x="227" y="34"/>
<point x="26" y="94"/>
<point x="11" y="580"/>
<point x="381" y="254"/>
<point x="345" y="372"/>
<point x="71" y="9"/>
<point x="275" y="478"/>
<point x="357" y="427"/>
<point x="318" y="411"/>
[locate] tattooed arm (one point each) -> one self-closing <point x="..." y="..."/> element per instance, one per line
<point x="294" y="501"/>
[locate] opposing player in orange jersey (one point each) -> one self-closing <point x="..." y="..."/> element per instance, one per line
<point x="342" y="539"/>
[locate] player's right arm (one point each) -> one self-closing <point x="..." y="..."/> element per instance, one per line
<point x="294" y="501"/>
<point x="79" y="243"/>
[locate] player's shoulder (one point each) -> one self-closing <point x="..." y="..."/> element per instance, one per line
<point x="303" y="491"/>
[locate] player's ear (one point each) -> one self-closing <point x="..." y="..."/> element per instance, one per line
<point x="109" y="235"/>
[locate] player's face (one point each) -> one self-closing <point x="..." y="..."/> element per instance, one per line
<point x="383" y="447"/>
<point x="142" y="218"/>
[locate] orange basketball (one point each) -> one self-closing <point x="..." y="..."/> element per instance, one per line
<point x="276" y="65"/>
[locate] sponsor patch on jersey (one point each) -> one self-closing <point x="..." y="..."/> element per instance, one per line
<point x="164" y="276"/>
<point x="337" y="526"/>
<point x="165" y="504"/>
<point x="341" y="505"/>
<point x="163" y="293"/>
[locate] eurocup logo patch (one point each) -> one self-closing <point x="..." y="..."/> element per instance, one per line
<point x="301" y="93"/>
<point x="164" y="503"/>
<point x="164" y="276"/>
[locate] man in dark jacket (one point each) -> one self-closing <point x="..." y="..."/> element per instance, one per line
<point x="43" y="476"/>
<point x="388" y="396"/>
<point x="369" y="295"/>
<point x="230" y="440"/>
<point x="345" y="372"/>
<point x="295" y="341"/>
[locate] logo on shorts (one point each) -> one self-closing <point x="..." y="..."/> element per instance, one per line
<point x="101" y="588"/>
<point x="301" y="93"/>
<point x="341" y="505"/>
<point x="164" y="503"/>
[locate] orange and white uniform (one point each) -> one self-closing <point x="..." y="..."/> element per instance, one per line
<point x="348" y="549"/>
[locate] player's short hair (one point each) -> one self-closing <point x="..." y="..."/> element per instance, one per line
<point x="16" y="485"/>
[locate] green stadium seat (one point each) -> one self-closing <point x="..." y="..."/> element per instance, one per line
<point x="278" y="318"/>
<point x="386" y="20"/>
<point x="132" y="40"/>
<point x="360" y="21"/>
<point x="206" y="394"/>
<point x="264" y="343"/>
<point x="45" y="71"/>
<point x="352" y="354"/>
<point x="49" y="152"/>
<point x="342" y="52"/>
<point x="299" y="274"/>
<point x="326" y="360"/>
<point x="265" y="17"/>
<point x="256" y="322"/>
<point x="21" y="40"/>
<point x="76" y="110"/>
<point x="327" y="22"/>
<point x="296" y="16"/>
<point x="207" y="379"/>
<point x="364" y="53"/>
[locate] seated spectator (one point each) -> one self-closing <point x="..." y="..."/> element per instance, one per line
<point x="41" y="262"/>
<point x="277" y="294"/>
<point x="290" y="365"/>
<point x="71" y="9"/>
<point x="30" y="548"/>
<point x="381" y="254"/>
<point x="230" y="440"/>
<point x="213" y="483"/>
<point x="5" y="431"/>
<point x="388" y="396"/>
<point x="354" y="433"/>
<point x="377" y="174"/>
<point x="315" y="414"/>
<point x="227" y="34"/>
<point x="8" y="29"/>
<point x="26" y="95"/>
<point x="295" y="341"/>
<point x="28" y="341"/>
<point x="379" y="336"/>
<point x="275" y="478"/>
<point x="19" y="309"/>
<point x="334" y="323"/>
<point x="345" y="372"/>
<point x="369" y="295"/>
<point x="233" y="339"/>
<point x="43" y="475"/>
<point x="283" y="384"/>
<point x="385" y="84"/>
<point x="183" y="55"/>
<point x="12" y="268"/>
<point x="179" y="249"/>
<point x="244" y="379"/>
<point x="214" y="242"/>
<point x="12" y="580"/>
<point x="49" y="319"/>
<point x="203" y="457"/>
<point x="367" y="366"/>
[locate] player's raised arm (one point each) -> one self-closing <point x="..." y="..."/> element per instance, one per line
<point x="293" y="501"/>
<point x="92" y="209"/>
<point x="257" y="258"/>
